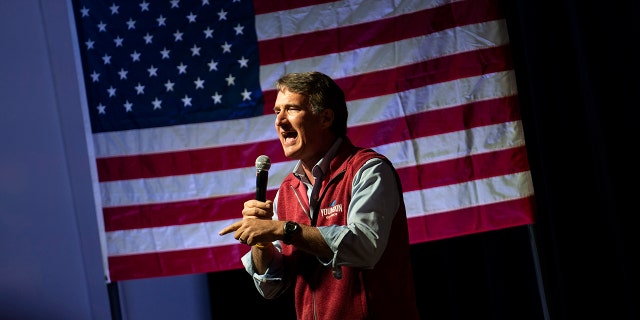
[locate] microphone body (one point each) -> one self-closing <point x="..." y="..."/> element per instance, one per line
<point x="263" y="163"/>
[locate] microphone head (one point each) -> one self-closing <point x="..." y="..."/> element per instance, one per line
<point x="263" y="163"/>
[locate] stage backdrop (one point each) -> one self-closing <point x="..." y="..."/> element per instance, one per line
<point x="180" y="99"/>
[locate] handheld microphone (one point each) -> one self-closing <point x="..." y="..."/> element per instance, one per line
<point x="263" y="163"/>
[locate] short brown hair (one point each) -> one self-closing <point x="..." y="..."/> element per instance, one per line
<point x="322" y="92"/>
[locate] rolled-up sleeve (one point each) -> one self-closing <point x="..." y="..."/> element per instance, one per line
<point x="374" y="203"/>
<point x="270" y="284"/>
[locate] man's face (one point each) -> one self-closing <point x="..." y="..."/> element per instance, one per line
<point x="299" y="130"/>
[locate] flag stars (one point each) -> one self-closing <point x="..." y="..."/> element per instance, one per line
<point x="195" y="51"/>
<point x="208" y="33"/>
<point x="153" y="71"/>
<point x="101" y="108"/>
<point x="186" y="101"/>
<point x="199" y="83"/>
<point x="157" y="104"/>
<point x="123" y="74"/>
<point x="191" y="17"/>
<point x="231" y="80"/>
<point x="222" y="15"/>
<point x="135" y="56"/>
<point x="95" y="76"/>
<point x="106" y="59"/>
<point x="213" y="65"/>
<point x="144" y="6"/>
<point x="246" y="95"/>
<point x="217" y="98"/>
<point x="182" y="68"/>
<point x="169" y="85"/>
<point x="226" y="47"/>
<point x="244" y="63"/>
<point x="177" y="36"/>
<point x="114" y="9"/>
<point x="118" y="41"/>
<point x="125" y="88"/>
<point x="165" y="53"/>
<point x="239" y="29"/>
<point x="139" y="88"/>
<point x="131" y="24"/>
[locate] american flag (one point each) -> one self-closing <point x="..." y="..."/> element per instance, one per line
<point x="180" y="97"/>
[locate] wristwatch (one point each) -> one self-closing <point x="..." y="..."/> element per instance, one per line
<point x="290" y="228"/>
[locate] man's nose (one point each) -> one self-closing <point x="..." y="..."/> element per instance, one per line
<point x="280" y="118"/>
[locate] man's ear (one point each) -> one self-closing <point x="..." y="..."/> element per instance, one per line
<point x="326" y="118"/>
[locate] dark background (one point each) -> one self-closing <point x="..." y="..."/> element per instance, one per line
<point x="576" y="67"/>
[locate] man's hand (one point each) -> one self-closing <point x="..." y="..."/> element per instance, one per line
<point x="256" y="225"/>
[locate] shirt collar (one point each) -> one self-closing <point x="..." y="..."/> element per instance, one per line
<point x="321" y="167"/>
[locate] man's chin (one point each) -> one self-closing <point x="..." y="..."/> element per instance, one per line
<point x="291" y="152"/>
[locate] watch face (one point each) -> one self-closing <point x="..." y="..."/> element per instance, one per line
<point x="291" y="226"/>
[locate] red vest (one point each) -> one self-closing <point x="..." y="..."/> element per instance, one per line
<point x="384" y="292"/>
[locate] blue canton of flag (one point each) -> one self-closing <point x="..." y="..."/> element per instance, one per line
<point x="160" y="63"/>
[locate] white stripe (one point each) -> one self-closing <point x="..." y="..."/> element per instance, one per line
<point x="162" y="239"/>
<point x="230" y="182"/>
<point x="418" y="203"/>
<point x="433" y="97"/>
<point x="453" y="145"/>
<point x="364" y="111"/>
<point x="334" y="15"/>
<point x="468" y="194"/>
<point x="394" y="54"/>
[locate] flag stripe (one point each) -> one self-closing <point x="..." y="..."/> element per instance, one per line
<point x="471" y="220"/>
<point x="443" y="69"/>
<point x="266" y="6"/>
<point x="334" y="38"/>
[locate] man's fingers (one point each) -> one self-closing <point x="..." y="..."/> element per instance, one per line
<point x="229" y="228"/>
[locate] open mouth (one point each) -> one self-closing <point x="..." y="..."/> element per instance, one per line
<point x="289" y="136"/>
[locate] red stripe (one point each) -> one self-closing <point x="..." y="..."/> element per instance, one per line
<point x="413" y="178"/>
<point x="173" y="263"/>
<point x="448" y="68"/>
<point x="377" y="32"/>
<point x="421" y="229"/>
<point x="186" y="162"/>
<point x="466" y="221"/>
<point x="176" y="213"/>
<point x="241" y="156"/>
<point x="429" y="123"/>
<point x="465" y="169"/>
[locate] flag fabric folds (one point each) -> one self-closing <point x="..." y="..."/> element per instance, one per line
<point x="180" y="98"/>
